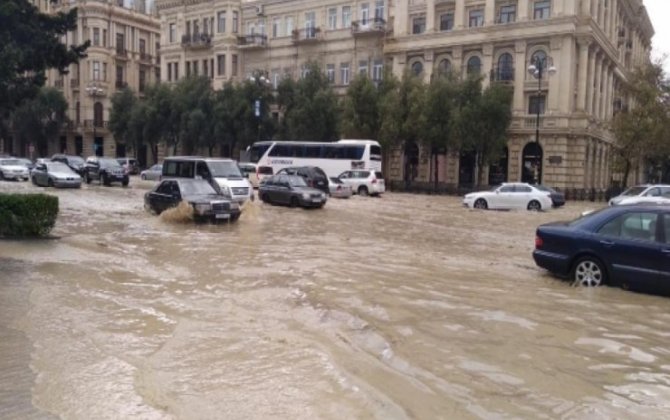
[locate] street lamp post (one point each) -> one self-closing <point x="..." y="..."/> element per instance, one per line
<point x="260" y="80"/>
<point x="95" y="91"/>
<point x="540" y="64"/>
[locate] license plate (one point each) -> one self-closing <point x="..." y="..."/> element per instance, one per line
<point x="222" y="216"/>
<point x="316" y="200"/>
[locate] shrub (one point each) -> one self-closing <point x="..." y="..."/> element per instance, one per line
<point x="27" y="214"/>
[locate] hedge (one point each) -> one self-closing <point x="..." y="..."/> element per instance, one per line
<point x="27" y="214"/>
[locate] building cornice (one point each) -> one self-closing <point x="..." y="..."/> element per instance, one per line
<point x="111" y="11"/>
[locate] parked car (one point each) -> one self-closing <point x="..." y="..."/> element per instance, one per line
<point x="625" y="246"/>
<point x="129" y="164"/>
<point x="248" y="170"/>
<point x="27" y="163"/>
<point x="510" y="196"/>
<point x="105" y="170"/>
<point x="76" y="163"/>
<point x="637" y="200"/>
<point x="208" y="204"/>
<point x="290" y="190"/>
<point x="338" y="188"/>
<point x="646" y="190"/>
<point x="364" y="182"/>
<point x="557" y="198"/>
<point x="314" y="177"/>
<point x="12" y="168"/>
<point x="153" y="173"/>
<point x="55" y="174"/>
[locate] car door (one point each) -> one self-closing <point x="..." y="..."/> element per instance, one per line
<point x="664" y="261"/>
<point x="39" y="174"/>
<point x="521" y="197"/>
<point x="283" y="191"/>
<point x="345" y="177"/>
<point x="502" y="198"/>
<point x="628" y="244"/>
<point x="162" y="198"/>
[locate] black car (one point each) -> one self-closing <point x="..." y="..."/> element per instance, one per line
<point x="290" y="190"/>
<point x="557" y="198"/>
<point x="208" y="205"/>
<point x="313" y="176"/>
<point x="76" y="163"/>
<point x="627" y="246"/>
<point x="106" y="171"/>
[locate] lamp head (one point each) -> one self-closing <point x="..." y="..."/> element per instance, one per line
<point x="532" y="69"/>
<point x="551" y="70"/>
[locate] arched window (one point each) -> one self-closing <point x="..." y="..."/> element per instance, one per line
<point x="97" y="114"/>
<point x="474" y="66"/>
<point x="417" y="68"/>
<point x="538" y="55"/>
<point x="444" y="67"/>
<point x="506" y="67"/>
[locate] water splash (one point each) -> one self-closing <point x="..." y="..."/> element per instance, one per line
<point x="183" y="213"/>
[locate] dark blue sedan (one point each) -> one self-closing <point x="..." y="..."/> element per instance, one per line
<point x="627" y="246"/>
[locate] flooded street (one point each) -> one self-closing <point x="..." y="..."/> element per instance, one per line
<point x="404" y="306"/>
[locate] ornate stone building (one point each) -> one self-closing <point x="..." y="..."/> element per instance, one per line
<point x="123" y="53"/>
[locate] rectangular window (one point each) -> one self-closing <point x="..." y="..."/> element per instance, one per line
<point x="542" y="9"/>
<point x="96" y="70"/>
<point x="104" y="71"/>
<point x="418" y="25"/>
<point x="234" y="70"/>
<point x="476" y="18"/>
<point x="330" y="72"/>
<point x="236" y="19"/>
<point x="507" y="14"/>
<point x="363" y="67"/>
<point x="221" y="64"/>
<point x="447" y="21"/>
<point x="176" y="71"/>
<point x="104" y="38"/>
<point x="143" y="80"/>
<point x="120" y="42"/>
<point x="332" y="18"/>
<point x="379" y="9"/>
<point x="172" y="33"/>
<point x="289" y="25"/>
<point x="143" y="46"/>
<point x="195" y="68"/>
<point x="276" y="26"/>
<point x="344" y="73"/>
<point x="188" y="68"/>
<point x="536" y="103"/>
<point x="96" y="37"/>
<point x="221" y="19"/>
<point x="261" y="26"/>
<point x="169" y="75"/>
<point x="346" y="16"/>
<point x="188" y="27"/>
<point x="119" y="74"/>
<point x="377" y="70"/>
<point x="365" y="13"/>
<point x="205" y="68"/>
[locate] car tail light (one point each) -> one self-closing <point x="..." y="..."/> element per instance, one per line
<point x="538" y="242"/>
<point x="339" y="188"/>
<point x="374" y="181"/>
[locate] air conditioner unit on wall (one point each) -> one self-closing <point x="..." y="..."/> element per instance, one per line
<point x="259" y="10"/>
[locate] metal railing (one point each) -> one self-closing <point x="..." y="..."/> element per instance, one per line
<point x="145" y="56"/>
<point x="373" y="25"/>
<point x="90" y="124"/>
<point x="196" y="40"/>
<point x="121" y="52"/>
<point x="252" y="40"/>
<point x="306" y="34"/>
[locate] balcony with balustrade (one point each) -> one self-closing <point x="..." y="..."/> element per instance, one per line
<point x="306" y="35"/>
<point x="369" y="27"/>
<point x="252" y="41"/>
<point x="196" y="41"/>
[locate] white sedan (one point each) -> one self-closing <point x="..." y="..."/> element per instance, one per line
<point x="509" y="196"/>
<point x="13" y="169"/>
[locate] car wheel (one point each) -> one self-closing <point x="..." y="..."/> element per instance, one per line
<point x="32" y="179"/>
<point x="589" y="272"/>
<point x="125" y="182"/>
<point x="87" y="178"/>
<point x="363" y="190"/>
<point x="294" y="202"/>
<point x="480" y="203"/>
<point x="264" y="198"/>
<point x="534" y="206"/>
<point x="104" y="180"/>
<point x="50" y="183"/>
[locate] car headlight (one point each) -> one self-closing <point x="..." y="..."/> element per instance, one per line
<point x="225" y="191"/>
<point x="202" y="208"/>
<point x="234" y="206"/>
<point x="305" y="196"/>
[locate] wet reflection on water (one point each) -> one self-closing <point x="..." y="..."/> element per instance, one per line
<point x="395" y="307"/>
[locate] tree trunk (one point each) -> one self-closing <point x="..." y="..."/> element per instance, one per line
<point x="624" y="183"/>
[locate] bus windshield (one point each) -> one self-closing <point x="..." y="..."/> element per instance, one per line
<point x="257" y="151"/>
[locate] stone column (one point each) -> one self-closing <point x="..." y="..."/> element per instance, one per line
<point x="487" y="63"/>
<point x="489" y="12"/>
<point x="522" y="11"/>
<point x="583" y="73"/>
<point x="457" y="60"/>
<point x="567" y="59"/>
<point x="553" y="82"/>
<point x="602" y="90"/>
<point x="459" y="14"/>
<point x="430" y="15"/>
<point x="596" y="87"/>
<point x="519" y="75"/>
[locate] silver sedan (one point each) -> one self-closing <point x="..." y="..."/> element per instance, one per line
<point x="338" y="188"/>
<point x="153" y="173"/>
<point x="55" y="174"/>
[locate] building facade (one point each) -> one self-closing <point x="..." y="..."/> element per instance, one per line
<point x="125" y="42"/>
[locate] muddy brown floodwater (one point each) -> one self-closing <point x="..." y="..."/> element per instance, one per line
<point x="404" y="306"/>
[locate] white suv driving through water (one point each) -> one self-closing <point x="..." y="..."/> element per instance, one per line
<point x="364" y="182"/>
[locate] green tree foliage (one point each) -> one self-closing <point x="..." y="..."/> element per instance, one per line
<point x="191" y="100"/>
<point x="360" y="110"/>
<point x="311" y="109"/>
<point x="642" y="131"/>
<point x="402" y="105"/>
<point x="40" y="120"/>
<point x="29" y="45"/>
<point x="123" y="103"/>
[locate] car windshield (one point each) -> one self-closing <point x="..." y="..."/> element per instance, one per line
<point x="632" y="191"/>
<point x="586" y="216"/>
<point x="296" y="181"/>
<point x="25" y="161"/>
<point x="336" y="180"/>
<point x="76" y="160"/>
<point x="12" y="162"/>
<point x="157" y="168"/>
<point x="196" y="187"/>
<point x="58" y="167"/>
<point x="109" y="163"/>
<point x="224" y="169"/>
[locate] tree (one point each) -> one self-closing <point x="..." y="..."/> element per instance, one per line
<point x="154" y="117"/>
<point x="31" y="44"/>
<point x="312" y="112"/>
<point x="190" y="97"/>
<point x="360" y="110"/>
<point x="642" y="131"/>
<point x="40" y="120"/>
<point x="123" y="104"/>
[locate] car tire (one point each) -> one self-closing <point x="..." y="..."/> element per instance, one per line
<point x="103" y="179"/>
<point x="125" y="182"/>
<point x="363" y="190"/>
<point x="294" y="202"/>
<point x="87" y="178"/>
<point x="481" y="204"/>
<point x="589" y="271"/>
<point x="32" y="179"/>
<point x="534" y="205"/>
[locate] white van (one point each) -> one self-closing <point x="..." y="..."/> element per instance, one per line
<point x="225" y="172"/>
